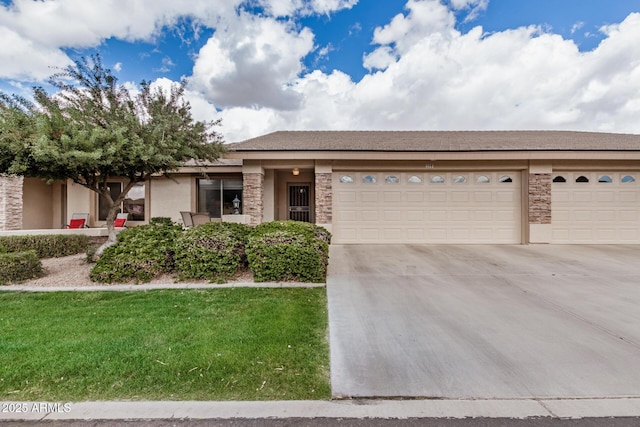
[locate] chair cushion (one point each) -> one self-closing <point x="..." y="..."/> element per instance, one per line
<point x="119" y="222"/>
<point x="76" y="223"/>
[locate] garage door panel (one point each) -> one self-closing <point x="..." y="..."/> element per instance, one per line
<point x="392" y="196"/>
<point x="393" y="216"/>
<point x="582" y="196"/>
<point x="347" y="216"/>
<point x="460" y="196"/>
<point x="628" y="215"/>
<point x="369" y="196"/>
<point x="442" y="207"/>
<point x="484" y="215"/>
<point x="482" y="196"/>
<point x="628" y="196"/>
<point x="347" y="196"/>
<point x="596" y="212"/>
<point x="415" y="196"/>
<point x="438" y="216"/>
<point x="504" y="196"/>
<point x="605" y="196"/>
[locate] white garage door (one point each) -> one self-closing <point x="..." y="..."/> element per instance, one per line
<point x="595" y="207"/>
<point x="443" y="207"/>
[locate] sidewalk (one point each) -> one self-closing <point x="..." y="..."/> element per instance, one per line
<point x="398" y="409"/>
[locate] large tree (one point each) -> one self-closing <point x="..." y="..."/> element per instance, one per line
<point x="91" y="129"/>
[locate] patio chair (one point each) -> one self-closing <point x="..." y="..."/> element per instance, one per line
<point x="200" y="218"/>
<point x="79" y="220"/>
<point x="121" y="220"/>
<point x="186" y="218"/>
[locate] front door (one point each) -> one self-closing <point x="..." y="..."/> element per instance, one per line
<point x="299" y="202"/>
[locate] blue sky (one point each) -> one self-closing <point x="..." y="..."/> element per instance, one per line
<point x="268" y="65"/>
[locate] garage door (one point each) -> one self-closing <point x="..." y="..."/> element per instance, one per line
<point x="452" y="207"/>
<point x="595" y="207"/>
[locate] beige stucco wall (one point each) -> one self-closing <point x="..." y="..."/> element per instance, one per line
<point x="79" y="200"/>
<point x="37" y="202"/>
<point x="167" y="197"/>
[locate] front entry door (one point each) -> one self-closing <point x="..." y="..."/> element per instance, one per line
<point x="299" y="202"/>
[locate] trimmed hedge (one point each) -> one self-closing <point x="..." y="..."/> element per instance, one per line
<point x="19" y="266"/>
<point x="140" y="254"/>
<point x="213" y="251"/>
<point x="46" y="245"/>
<point x="306" y="229"/>
<point x="288" y="250"/>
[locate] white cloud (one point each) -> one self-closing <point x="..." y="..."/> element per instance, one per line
<point x="252" y="61"/>
<point x="33" y="32"/>
<point x="423" y="73"/>
<point x="432" y="77"/>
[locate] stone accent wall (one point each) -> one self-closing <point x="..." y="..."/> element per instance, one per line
<point x="324" y="198"/>
<point x="253" y="195"/>
<point x="11" y="202"/>
<point x="539" y="198"/>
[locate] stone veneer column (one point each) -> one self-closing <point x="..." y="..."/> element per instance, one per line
<point x="324" y="198"/>
<point x="253" y="195"/>
<point x="539" y="198"/>
<point x="11" y="202"/>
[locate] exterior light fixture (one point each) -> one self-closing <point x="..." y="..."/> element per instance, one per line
<point x="236" y="205"/>
<point x="295" y="171"/>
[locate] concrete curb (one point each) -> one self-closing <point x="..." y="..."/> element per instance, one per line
<point x="151" y="287"/>
<point x="390" y="409"/>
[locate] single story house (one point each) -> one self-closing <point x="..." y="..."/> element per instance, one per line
<point x="386" y="187"/>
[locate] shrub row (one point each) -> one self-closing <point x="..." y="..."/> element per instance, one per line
<point x="275" y="251"/>
<point x="18" y="266"/>
<point x="47" y="245"/>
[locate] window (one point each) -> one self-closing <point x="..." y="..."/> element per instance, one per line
<point x="414" y="179"/>
<point x="437" y="179"/>
<point x="482" y="179"/>
<point x="582" y="178"/>
<point x="133" y="204"/>
<point x="559" y="178"/>
<point x="391" y="179"/>
<point x="605" y="178"/>
<point x="627" y="179"/>
<point x="506" y="178"/>
<point x="216" y="196"/>
<point x="459" y="179"/>
<point x="346" y="179"/>
<point x="369" y="179"/>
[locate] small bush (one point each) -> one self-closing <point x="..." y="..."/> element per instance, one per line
<point x="46" y="245"/>
<point x="303" y="228"/>
<point x="212" y="251"/>
<point x="284" y="251"/>
<point x="18" y="266"/>
<point x="140" y="253"/>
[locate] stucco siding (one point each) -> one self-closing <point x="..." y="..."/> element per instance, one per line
<point x="167" y="197"/>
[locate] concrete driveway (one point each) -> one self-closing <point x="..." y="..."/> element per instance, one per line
<point x="484" y="321"/>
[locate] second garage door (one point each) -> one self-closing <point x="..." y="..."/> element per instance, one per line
<point x="443" y="207"/>
<point x="595" y="207"/>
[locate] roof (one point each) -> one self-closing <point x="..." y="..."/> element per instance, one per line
<point x="439" y="141"/>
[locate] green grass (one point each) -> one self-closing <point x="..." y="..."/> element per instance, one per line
<point x="219" y="344"/>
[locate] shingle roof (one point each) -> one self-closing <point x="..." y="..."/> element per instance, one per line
<point x="439" y="141"/>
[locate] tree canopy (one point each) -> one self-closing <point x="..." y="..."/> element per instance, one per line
<point x="91" y="129"/>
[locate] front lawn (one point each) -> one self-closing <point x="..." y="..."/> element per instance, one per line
<point x="218" y="344"/>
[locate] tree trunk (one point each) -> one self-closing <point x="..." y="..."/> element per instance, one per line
<point x="111" y="240"/>
<point x="114" y="207"/>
